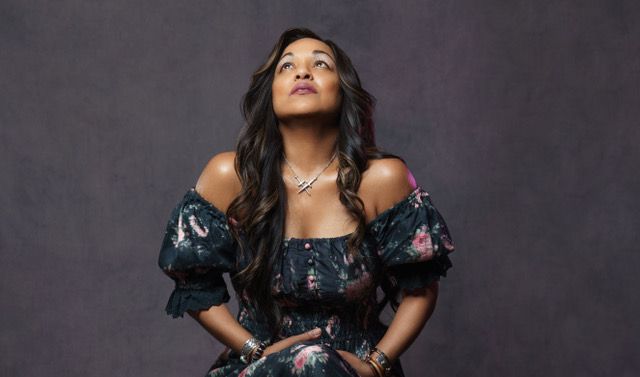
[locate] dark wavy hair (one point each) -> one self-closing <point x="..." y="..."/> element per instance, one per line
<point x="259" y="209"/>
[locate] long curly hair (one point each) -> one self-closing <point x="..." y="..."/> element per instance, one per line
<point x="259" y="209"/>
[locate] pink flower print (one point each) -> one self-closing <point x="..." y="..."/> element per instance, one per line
<point x="417" y="197"/>
<point x="301" y="359"/>
<point x="311" y="282"/>
<point x="308" y="355"/>
<point x="447" y="243"/>
<point x="276" y="286"/>
<point x="181" y="234"/>
<point x="244" y="314"/>
<point x="422" y="243"/>
<point x="297" y="346"/>
<point x="252" y="367"/>
<point x="202" y="232"/>
<point x="348" y="259"/>
<point x="333" y="320"/>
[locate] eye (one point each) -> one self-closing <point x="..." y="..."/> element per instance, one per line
<point x="284" y="65"/>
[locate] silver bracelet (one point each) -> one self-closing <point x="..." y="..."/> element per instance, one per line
<point x="252" y="344"/>
<point x="382" y="359"/>
<point x="257" y="354"/>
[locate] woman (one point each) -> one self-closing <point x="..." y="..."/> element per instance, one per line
<point x="309" y="217"/>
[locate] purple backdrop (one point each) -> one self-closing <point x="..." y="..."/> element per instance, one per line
<point x="109" y="111"/>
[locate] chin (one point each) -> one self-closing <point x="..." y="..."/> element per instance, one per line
<point x="298" y="115"/>
<point x="300" y="111"/>
<point x="320" y="115"/>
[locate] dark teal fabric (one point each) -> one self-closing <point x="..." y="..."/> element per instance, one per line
<point x="316" y="283"/>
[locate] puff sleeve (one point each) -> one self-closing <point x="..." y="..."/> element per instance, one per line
<point x="196" y="250"/>
<point x="413" y="241"/>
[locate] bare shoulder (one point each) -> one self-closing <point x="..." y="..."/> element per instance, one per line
<point x="218" y="183"/>
<point x="389" y="181"/>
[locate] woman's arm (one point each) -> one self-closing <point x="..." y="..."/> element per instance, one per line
<point x="413" y="312"/>
<point x="220" y="323"/>
<point x="219" y="184"/>
<point x="416" y="306"/>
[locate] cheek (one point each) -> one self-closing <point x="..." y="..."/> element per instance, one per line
<point x="278" y="92"/>
<point x="334" y="89"/>
<point x="276" y="88"/>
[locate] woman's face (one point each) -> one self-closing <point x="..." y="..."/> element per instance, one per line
<point x="311" y="62"/>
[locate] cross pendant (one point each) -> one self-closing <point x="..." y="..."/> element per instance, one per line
<point x="305" y="187"/>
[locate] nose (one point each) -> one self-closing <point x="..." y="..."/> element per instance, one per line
<point x="303" y="72"/>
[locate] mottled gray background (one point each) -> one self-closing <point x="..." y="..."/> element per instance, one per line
<point x="520" y="118"/>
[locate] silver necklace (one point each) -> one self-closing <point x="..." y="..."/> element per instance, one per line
<point x="303" y="184"/>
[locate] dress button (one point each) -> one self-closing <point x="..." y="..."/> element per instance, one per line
<point x="310" y="261"/>
<point x="307" y="246"/>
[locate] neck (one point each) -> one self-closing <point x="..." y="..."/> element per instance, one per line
<point x="308" y="144"/>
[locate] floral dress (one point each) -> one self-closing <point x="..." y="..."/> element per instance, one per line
<point x="316" y="283"/>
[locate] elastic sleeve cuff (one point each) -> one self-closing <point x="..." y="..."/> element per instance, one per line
<point x="411" y="276"/>
<point x="183" y="299"/>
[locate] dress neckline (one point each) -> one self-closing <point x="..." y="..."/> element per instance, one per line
<point x="334" y="238"/>
<point x="378" y="218"/>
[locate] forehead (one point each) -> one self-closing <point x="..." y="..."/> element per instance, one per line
<point x="306" y="46"/>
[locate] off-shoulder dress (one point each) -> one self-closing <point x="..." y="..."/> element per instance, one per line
<point x="316" y="284"/>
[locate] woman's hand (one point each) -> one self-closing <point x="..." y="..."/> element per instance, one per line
<point x="288" y="342"/>
<point x="362" y="367"/>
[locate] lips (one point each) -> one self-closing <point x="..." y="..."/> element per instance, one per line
<point x="303" y="88"/>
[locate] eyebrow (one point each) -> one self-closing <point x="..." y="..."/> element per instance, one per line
<point x="314" y="52"/>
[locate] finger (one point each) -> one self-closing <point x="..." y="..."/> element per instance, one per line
<point x="288" y="342"/>
<point x="311" y="334"/>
